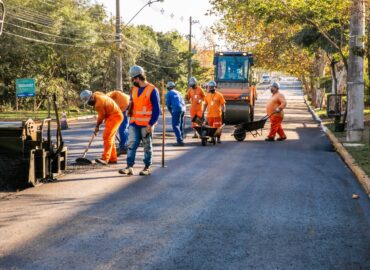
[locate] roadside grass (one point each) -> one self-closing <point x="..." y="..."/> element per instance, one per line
<point x="360" y="153"/>
<point x="38" y="115"/>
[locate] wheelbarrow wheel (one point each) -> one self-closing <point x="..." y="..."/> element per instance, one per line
<point x="204" y="141"/>
<point x="240" y="134"/>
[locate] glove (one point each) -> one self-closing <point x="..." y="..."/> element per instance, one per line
<point x="96" y="130"/>
<point x="277" y="110"/>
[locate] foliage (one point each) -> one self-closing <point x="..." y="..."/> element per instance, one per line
<point x="274" y="28"/>
<point x="79" y="51"/>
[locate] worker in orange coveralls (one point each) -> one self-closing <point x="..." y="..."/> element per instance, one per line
<point x="109" y="112"/>
<point x="274" y="108"/>
<point x="215" y="106"/>
<point x="122" y="100"/>
<point x="195" y="96"/>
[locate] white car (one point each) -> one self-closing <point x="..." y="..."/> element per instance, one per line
<point x="266" y="79"/>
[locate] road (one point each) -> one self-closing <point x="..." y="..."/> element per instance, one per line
<point x="248" y="205"/>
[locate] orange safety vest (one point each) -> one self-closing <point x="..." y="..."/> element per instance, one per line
<point x="142" y="106"/>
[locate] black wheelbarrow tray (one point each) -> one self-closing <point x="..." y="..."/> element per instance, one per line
<point x="206" y="132"/>
<point x="254" y="127"/>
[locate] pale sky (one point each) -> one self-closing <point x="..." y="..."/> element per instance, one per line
<point x="152" y="15"/>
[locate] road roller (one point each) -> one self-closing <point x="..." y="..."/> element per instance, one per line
<point x="233" y="78"/>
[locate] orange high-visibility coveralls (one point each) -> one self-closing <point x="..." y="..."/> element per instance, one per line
<point x="109" y="112"/>
<point x="276" y="101"/>
<point x="195" y="97"/>
<point x="120" y="98"/>
<point x="214" y="102"/>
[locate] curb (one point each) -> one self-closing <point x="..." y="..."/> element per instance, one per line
<point x="361" y="176"/>
<point x="81" y="118"/>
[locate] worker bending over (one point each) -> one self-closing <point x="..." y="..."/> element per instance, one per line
<point x="176" y="106"/>
<point x="195" y="95"/>
<point x="144" y="113"/>
<point x="215" y="107"/>
<point x="109" y="113"/>
<point x="274" y="108"/>
<point x="122" y="101"/>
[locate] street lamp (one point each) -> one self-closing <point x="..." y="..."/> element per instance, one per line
<point x="147" y="4"/>
<point x="119" y="84"/>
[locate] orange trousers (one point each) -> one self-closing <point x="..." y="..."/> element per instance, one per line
<point x="276" y="127"/>
<point x="195" y="111"/>
<point x="112" y="124"/>
<point x="215" y="122"/>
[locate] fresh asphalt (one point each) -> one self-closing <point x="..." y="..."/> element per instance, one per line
<point x="248" y="205"/>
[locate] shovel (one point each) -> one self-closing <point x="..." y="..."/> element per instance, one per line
<point x="82" y="160"/>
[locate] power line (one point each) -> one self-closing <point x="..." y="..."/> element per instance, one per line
<point x="47" y="42"/>
<point x="57" y="36"/>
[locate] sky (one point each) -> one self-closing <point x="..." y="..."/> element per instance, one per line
<point x="181" y="10"/>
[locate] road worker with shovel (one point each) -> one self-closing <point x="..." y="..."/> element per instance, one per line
<point x="109" y="113"/>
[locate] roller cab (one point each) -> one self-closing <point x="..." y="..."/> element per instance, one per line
<point x="232" y="75"/>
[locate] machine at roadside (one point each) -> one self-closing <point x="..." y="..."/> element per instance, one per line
<point x="29" y="154"/>
<point x="232" y="75"/>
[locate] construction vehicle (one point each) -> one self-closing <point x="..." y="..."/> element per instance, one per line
<point x="232" y="75"/>
<point x="28" y="155"/>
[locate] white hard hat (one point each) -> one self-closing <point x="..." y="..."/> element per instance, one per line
<point x="275" y="84"/>
<point x="136" y="71"/>
<point x="193" y="81"/>
<point x="212" y="84"/>
<point x="85" y="95"/>
<point x="171" y="84"/>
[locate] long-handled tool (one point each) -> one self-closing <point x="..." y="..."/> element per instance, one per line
<point x="83" y="160"/>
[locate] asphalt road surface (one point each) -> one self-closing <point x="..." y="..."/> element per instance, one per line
<point x="238" y="205"/>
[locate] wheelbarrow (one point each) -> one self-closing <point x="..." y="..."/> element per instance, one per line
<point x="206" y="132"/>
<point x="254" y="127"/>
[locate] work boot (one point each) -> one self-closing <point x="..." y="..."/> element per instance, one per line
<point x="268" y="139"/>
<point x="101" y="161"/>
<point x="219" y="140"/>
<point x="128" y="171"/>
<point x="112" y="162"/>
<point x="281" y="139"/>
<point x="145" y="171"/>
<point x="195" y="136"/>
<point x="179" y="144"/>
<point x="121" y="152"/>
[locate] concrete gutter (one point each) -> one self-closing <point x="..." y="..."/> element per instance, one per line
<point x="361" y="176"/>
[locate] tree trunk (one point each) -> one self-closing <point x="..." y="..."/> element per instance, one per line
<point x="355" y="81"/>
<point x="334" y="89"/>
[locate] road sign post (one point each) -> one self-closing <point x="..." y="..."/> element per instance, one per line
<point x="25" y="87"/>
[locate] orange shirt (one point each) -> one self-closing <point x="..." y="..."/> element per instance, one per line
<point x="277" y="100"/>
<point x="196" y="97"/>
<point x="120" y="98"/>
<point x="105" y="107"/>
<point x="214" y="103"/>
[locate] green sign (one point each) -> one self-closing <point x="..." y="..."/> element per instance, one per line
<point x="25" y="87"/>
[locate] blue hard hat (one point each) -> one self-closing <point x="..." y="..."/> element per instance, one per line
<point x="275" y="84"/>
<point x="85" y="95"/>
<point x="212" y="84"/>
<point x="193" y="81"/>
<point x="171" y="84"/>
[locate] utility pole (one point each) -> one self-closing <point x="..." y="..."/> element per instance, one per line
<point x="191" y="22"/>
<point x="355" y="80"/>
<point x="119" y="85"/>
